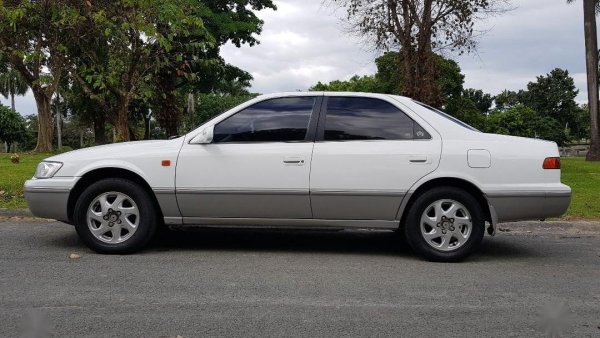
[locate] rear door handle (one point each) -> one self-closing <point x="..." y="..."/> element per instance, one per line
<point x="293" y="161"/>
<point x="419" y="159"/>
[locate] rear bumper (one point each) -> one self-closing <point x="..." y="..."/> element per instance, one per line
<point x="530" y="205"/>
<point x="49" y="198"/>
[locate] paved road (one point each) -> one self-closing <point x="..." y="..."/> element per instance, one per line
<point x="285" y="283"/>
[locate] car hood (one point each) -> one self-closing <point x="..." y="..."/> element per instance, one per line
<point x="132" y="156"/>
<point x="114" y="150"/>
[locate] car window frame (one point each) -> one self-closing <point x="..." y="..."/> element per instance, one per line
<point x="312" y="121"/>
<point x="320" y="133"/>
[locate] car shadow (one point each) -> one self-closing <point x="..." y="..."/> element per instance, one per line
<point x="363" y="242"/>
<point x="283" y="240"/>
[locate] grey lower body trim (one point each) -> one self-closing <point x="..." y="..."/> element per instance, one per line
<point x="173" y="220"/>
<point x="276" y="203"/>
<point x="286" y="222"/>
<point x="511" y="206"/>
<point x="355" y="204"/>
<point x="48" y="202"/>
<point x="167" y="201"/>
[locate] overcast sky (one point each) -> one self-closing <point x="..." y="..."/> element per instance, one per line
<point x="304" y="42"/>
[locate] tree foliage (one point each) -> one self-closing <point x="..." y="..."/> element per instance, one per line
<point x="367" y="84"/>
<point x="523" y="121"/>
<point x="211" y="105"/>
<point x="12" y="126"/>
<point x="11" y="82"/>
<point x="552" y="98"/>
<point x="32" y="36"/>
<point x="417" y="29"/>
<point x="157" y="51"/>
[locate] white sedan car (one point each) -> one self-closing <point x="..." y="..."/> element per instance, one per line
<point x="315" y="160"/>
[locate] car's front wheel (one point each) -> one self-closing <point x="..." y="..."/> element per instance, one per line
<point x="115" y="216"/>
<point x="445" y="224"/>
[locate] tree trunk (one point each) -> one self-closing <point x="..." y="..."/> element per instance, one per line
<point x="122" y="119"/>
<point x="99" y="129"/>
<point x="12" y="101"/>
<point x="147" y="118"/>
<point x="45" y="125"/>
<point x="591" y="47"/>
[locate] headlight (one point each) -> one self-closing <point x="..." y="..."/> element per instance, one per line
<point x="47" y="169"/>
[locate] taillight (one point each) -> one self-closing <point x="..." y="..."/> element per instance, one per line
<point x="552" y="163"/>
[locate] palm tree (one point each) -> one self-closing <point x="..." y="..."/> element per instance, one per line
<point x="590" y="8"/>
<point x="11" y="84"/>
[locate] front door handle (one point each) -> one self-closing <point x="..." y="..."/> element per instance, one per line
<point x="293" y="161"/>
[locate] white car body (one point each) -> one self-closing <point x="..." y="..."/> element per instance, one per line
<point x="319" y="183"/>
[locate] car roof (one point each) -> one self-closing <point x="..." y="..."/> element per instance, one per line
<point x="317" y="93"/>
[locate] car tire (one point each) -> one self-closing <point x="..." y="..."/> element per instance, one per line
<point x="445" y="224"/>
<point x="115" y="216"/>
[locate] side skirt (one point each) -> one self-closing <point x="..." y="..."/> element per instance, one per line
<point x="281" y="223"/>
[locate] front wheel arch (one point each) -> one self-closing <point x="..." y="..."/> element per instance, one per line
<point x="102" y="173"/>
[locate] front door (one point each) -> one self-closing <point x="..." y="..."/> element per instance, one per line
<point x="257" y="166"/>
<point x="367" y="155"/>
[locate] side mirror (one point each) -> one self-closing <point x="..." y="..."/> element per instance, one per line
<point x="205" y="136"/>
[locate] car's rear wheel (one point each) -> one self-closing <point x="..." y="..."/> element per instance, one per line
<point x="115" y="216"/>
<point x="445" y="224"/>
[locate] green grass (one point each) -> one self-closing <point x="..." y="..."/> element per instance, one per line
<point x="12" y="177"/>
<point x="582" y="176"/>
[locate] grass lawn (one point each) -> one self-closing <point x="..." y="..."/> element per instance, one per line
<point x="12" y="177"/>
<point x="582" y="176"/>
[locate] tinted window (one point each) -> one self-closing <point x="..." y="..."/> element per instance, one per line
<point x="359" y="118"/>
<point x="283" y="119"/>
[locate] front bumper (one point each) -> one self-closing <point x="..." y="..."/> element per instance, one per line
<point x="49" y="198"/>
<point x="530" y="205"/>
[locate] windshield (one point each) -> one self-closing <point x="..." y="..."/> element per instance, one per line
<point x="445" y="115"/>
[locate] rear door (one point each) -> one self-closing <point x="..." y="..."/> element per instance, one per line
<point x="367" y="155"/>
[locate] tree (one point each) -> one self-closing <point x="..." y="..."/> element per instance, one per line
<point x="211" y="105"/>
<point x="367" y="84"/>
<point x="87" y="110"/>
<point x="482" y="101"/>
<point x="127" y="44"/>
<point x="11" y="84"/>
<point x="590" y="8"/>
<point x="551" y="96"/>
<point x="12" y="126"/>
<point x="31" y="40"/>
<point x="388" y="79"/>
<point x="508" y="99"/>
<point x="206" y="71"/>
<point x="554" y="95"/>
<point x="152" y="50"/>
<point x="391" y="78"/>
<point x="520" y="120"/>
<point x="417" y="29"/>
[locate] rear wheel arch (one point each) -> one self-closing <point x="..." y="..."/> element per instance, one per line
<point x="102" y="173"/>
<point x="463" y="184"/>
